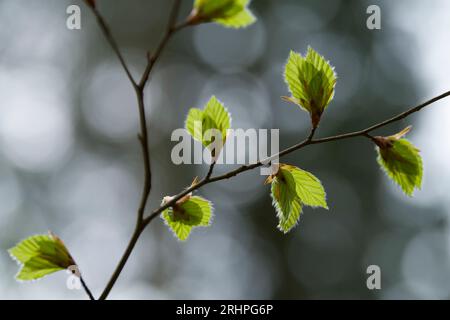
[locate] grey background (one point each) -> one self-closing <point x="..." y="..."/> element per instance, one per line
<point x="70" y="161"/>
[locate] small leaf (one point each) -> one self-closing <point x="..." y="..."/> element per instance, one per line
<point x="240" y="20"/>
<point x="40" y="255"/>
<point x="401" y="161"/>
<point x="220" y="118"/>
<point x="286" y="203"/>
<point x="311" y="81"/>
<point x="189" y="212"/>
<point x="194" y="124"/>
<point x="308" y="187"/>
<point x="291" y="189"/>
<point x="214" y="116"/>
<point x="229" y="13"/>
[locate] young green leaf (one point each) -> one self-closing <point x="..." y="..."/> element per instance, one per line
<point x="401" y="161"/>
<point x="214" y="117"/>
<point x="291" y="189"/>
<point x="311" y="81"/>
<point x="286" y="203"/>
<point x="308" y="187"/>
<point x="229" y="13"/>
<point x="39" y="256"/>
<point x="188" y="213"/>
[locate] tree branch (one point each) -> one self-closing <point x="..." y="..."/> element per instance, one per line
<point x="171" y="29"/>
<point x="112" y="42"/>
<point x="302" y="144"/>
<point x="142" y="222"/>
<point x="396" y="118"/>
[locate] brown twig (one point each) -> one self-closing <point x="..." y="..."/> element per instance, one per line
<point x="86" y="288"/>
<point x="112" y="42"/>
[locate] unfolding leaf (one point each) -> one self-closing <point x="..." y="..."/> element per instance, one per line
<point x="40" y="255"/>
<point x="189" y="212"/>
<point x="229" y="13"/>
<point x="402" y="163"/>
<point x="286" y="203"/>
<point x="291" y="189"/>
<point x="311" y="81"/>
<point x="214" y="116"/>
<point x="194" y="123"/>
<point x="218" y="115"/>
<point x="242" y="19"/>
<point x="308" y="187"/>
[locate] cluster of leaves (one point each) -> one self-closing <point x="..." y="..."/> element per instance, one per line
<point x="292" y="188"/>
<point x="209" y="126"/>
<point x="311" y="81"/>
<point x="401" y="161"/>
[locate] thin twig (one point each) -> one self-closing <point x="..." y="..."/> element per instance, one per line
<point x="86" y="288"/>
<point x="109" y="37"/>
<point x="396" y="118"/>
<point x="171" y="28"/>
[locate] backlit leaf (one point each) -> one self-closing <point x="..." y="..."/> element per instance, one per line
<point x="213" y="116"/>
<point x="291" y="189"/>
<point x="401" y="161"/>
<point x="229" y="13"/>
<point x="40" y="255"/>
<point x="311" y="81"/>
<point x="308" y="187"/>
<point x="188" y="213"/>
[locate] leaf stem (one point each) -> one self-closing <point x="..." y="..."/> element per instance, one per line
<point x="210" y="171"/>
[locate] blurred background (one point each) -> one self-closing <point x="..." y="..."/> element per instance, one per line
<point x="70" y="161"/>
